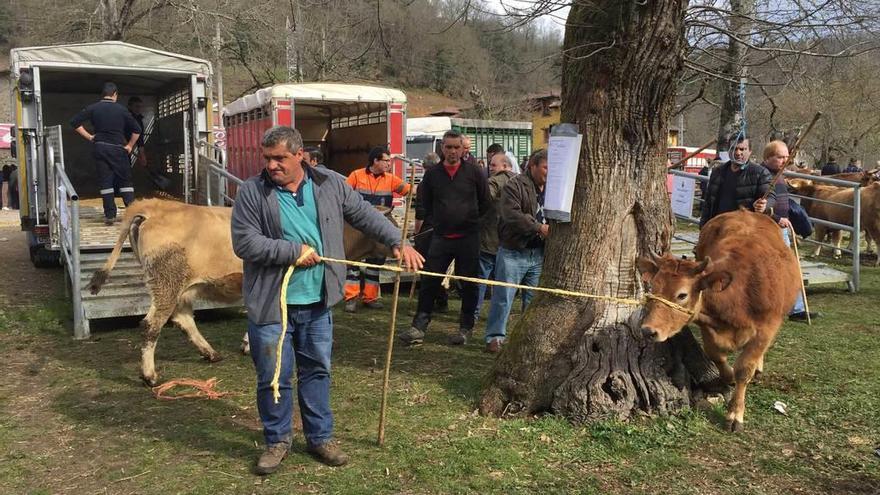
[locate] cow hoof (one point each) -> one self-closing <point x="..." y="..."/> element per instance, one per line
<point x="734" y="426"/>
<point x="150" y="381"/>
<point x="245" y="349"/>
<point x="214" y="358"/>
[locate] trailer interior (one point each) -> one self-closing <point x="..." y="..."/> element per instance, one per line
<point x="166" y="98"/>
<point x="345" y="132"/>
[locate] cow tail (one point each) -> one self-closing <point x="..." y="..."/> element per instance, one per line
<point x="128" y="229"/>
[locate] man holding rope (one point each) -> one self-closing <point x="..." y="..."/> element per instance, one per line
<point x="293" y="213"/>
<point x="775" y="156"/>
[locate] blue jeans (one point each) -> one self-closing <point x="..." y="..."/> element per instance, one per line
<point x="518" y="267"/>
<point x="799" y="302"/>
<point x="487" y="266"/>
<point x="307" y="343"/>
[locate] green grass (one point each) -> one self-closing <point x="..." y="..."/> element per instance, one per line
<point x="74" y="417"/>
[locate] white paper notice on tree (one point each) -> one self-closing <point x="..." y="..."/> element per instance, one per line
<point x="683" y="196"/>
<point x="563" y="153"/>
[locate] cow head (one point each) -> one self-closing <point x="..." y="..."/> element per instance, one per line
<point x="680" y="282"/>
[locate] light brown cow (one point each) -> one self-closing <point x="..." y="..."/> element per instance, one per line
<point x="186" y="253"/>
<point x="869" y="215"/>
<point x="740" y="293"/>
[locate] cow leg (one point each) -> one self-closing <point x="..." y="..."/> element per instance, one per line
<point x="718" y="356"/>
<point x="837" y="240"/>
<point x="245" y="345"/>
<point x="183" y="317"/>
<point x="166" y="275"/>
<point x="744" y="369"/>
<point x="759" y="368"/>
<point x="820" y="236"/>
<point x="152" y="325"/>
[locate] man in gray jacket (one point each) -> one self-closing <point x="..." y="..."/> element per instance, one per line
<point x="522" y="231"/>
<point x="499" y="173"/>
<point x="293" y="213"/>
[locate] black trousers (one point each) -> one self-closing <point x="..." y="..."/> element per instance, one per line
<point x="422" y="243"/>
<point x="465" y="251"/>
<point x="114" y="176"/>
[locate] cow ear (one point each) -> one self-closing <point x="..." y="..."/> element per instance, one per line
<point x="647" y="267"/>
<point x="716" y="280"/>
<point x="702" y="267"/>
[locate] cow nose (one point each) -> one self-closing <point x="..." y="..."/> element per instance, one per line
<point x="649" y="333"/>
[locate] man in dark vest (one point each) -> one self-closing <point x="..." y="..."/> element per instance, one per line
<point x="112" y="122"/>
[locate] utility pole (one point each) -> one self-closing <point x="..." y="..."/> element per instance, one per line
<point x="293" y="52"/>
<point x="218" y="43"/>
<point x="323" y="52"/>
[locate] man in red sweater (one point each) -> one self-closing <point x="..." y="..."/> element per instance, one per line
<point x="454" y="197"/>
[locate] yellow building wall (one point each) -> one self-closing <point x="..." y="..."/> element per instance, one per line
<point x="541" y="127"/>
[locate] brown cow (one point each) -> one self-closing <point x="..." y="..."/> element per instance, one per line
<point x="186" y="253"/>
<point x="740" y="293"/>
<point x="869" y="215"/>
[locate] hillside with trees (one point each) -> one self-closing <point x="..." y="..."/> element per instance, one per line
<point x="460" y="49"/>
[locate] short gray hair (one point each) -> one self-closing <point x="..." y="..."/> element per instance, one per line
<point x="505" y="157"/>
<point x="279" y="134"/>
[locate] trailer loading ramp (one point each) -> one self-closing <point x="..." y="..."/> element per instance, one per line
<point x="125" y="293"/>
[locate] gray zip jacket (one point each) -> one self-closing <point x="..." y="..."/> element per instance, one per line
<point x="258" y="240"/>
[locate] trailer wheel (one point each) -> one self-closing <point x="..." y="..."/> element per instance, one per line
<point x="44" y="258"/>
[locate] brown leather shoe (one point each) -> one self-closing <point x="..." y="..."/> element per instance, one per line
<point x="329" y="453"/>
<point x="493" y="346"/>
<point x="270" y="459"/>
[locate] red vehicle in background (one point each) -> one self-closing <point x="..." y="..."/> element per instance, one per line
<point x="344" y="120"/>
<point x="694" y="163"/>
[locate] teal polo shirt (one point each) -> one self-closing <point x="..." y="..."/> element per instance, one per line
<point x="299" y="223"/>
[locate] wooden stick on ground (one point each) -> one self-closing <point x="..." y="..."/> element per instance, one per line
<point x="691" y="155"/>
<point x="381" y="437"/>
<point x="793" y="238"/>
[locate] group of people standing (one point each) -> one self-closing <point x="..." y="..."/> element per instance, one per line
<point x="489" y="222"/>
<point x="486" y="223"/>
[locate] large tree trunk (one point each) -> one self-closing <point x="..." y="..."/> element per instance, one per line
<point x="740" y="25"/>
<point x="584" y="358"/>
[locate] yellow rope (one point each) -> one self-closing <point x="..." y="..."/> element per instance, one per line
<point x="391" y="268"/>
<point x="559" y="292"/>
<point x="276" y="394"/>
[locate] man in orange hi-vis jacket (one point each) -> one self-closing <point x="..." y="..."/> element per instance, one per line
<point x="377" y="185"/>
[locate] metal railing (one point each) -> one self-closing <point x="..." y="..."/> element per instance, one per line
<point x="68" y="215"/>
<point x="854" y="229"/>
<point x="216" y="173"/>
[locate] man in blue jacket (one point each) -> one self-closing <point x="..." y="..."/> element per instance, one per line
<point x="294" y="213"/>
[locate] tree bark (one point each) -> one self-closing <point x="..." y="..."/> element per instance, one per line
<point x="584" y="358"/>
<point x="740" y="25"/>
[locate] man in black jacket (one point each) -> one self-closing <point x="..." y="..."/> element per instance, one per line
<point x="454" y="195"/>
<point x="737" y="183"/>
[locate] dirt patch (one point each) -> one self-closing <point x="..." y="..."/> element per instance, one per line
<point x="20" y="283"/>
